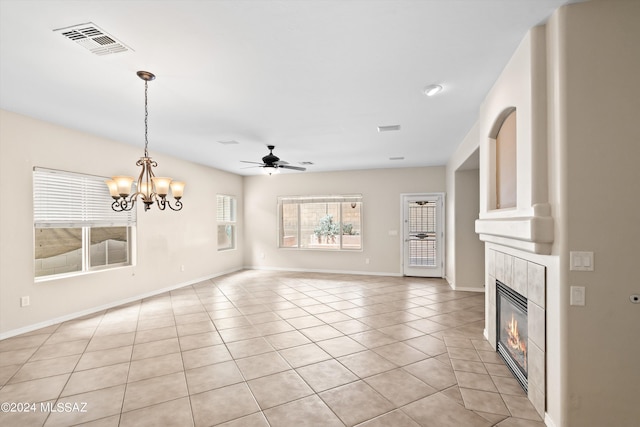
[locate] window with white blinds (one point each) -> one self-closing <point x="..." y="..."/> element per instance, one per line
<point x="320" y="222"/>
<point x="71" y="199"/>
<point x="226" y="217"/>
<point x="75" y="229"/>
<point x="226" y="208"/>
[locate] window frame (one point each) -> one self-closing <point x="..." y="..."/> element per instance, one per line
<point x="85" y="204"/>
<point x="227" y="218"/>
<point x="301" y="200"/>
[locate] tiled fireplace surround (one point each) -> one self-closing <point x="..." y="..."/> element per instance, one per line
<point x="528" y="279"/>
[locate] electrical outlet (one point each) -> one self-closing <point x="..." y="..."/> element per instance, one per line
<point x="366" y="260"/>
<point x="182" y="267"/>
<point x="24" y="301"/>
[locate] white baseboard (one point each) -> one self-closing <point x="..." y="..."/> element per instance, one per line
<point x="112" y="304"/>
<point x="467" y="289"/>
<point x="455" y="287"/>
<point x="307" y="270"/>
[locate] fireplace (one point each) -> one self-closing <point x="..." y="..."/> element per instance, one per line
<point x="512" y="331"/>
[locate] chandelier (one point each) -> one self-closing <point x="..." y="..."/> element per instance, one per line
<point x="150" y="188"/>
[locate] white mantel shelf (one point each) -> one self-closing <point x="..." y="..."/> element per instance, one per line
<point x="532" y="234"/>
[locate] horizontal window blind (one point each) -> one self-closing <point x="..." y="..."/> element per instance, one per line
<point x="319" y="199"/>
<point x="226" y="209"/>
<point x="67" y="199"/>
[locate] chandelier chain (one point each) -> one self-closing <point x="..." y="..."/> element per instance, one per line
<point x="146" y="120"/>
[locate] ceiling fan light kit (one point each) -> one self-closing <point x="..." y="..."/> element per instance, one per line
<point x="150" y="188"/>
<point x="270" y="170"/>
<point x="272" y="164"/>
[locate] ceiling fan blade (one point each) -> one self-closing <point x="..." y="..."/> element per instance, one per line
<point x="255" y="163"/>
<point x="295" y="168"/>
<point x="251" y="167"/>
<point x="280" y="162"/>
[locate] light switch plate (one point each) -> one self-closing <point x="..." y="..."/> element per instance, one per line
<point x="577" y="296"/>
<point x="580" y="261"/>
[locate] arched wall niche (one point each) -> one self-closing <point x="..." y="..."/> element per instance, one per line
<point x="503" y="156"/>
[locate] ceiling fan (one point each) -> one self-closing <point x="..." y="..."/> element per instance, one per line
<point x="271" y="163"/>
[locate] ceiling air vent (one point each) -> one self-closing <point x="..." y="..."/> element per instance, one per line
<point x="93" y="38"/>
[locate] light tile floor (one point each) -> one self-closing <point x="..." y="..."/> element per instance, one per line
<point x="258" y="348"/>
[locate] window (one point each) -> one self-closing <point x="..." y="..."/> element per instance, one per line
<point x="75" y="229"/>
<point x="226" y="222"/>
<point x="320" y="222"/>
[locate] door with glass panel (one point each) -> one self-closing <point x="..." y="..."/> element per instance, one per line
<point x="423" y="234"/>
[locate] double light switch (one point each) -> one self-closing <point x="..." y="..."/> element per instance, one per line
<point x="580" y="261"/>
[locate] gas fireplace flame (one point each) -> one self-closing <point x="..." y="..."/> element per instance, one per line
<point x="514" y="342"/>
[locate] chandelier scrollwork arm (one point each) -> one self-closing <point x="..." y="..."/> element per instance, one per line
<point x="163" y="203"/>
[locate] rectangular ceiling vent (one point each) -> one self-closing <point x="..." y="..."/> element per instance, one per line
<point x="93" y="38"/>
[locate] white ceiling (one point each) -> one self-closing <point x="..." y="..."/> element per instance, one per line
<point x="313" y="77"/>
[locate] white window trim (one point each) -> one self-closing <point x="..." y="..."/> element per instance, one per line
<point x="72" y="200"/>
<point x="230" y="219"/>
<point x="356" y="198"/>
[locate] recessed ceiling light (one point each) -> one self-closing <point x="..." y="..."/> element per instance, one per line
<point x="388" y="128"/>
<point x="229" y="142"/>
<point x="306" y="163"/>
<point x="396" y="158"/>
<point x="432" y="90"/>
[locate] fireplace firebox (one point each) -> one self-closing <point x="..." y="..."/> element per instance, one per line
<point x="512" y="331"/>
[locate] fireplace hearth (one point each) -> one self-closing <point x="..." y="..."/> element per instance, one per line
<point x="512" y="331"/>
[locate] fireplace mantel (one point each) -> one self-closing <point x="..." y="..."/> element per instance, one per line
<point x="532" y="234"/>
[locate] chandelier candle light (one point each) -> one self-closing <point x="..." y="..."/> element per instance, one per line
<point x="150" y="187"/>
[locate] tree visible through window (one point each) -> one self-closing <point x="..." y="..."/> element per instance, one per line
<point x="320" y="222"/>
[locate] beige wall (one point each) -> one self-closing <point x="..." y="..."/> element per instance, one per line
<point x="469" y="254"/>
<point x="165" y="240"/>
<point x="597" y="65"/>
<point x="465" y="252"/>
<point x="380" y="188"/>
<point x="586" y="172"/>
<point x="522" y="85"/>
